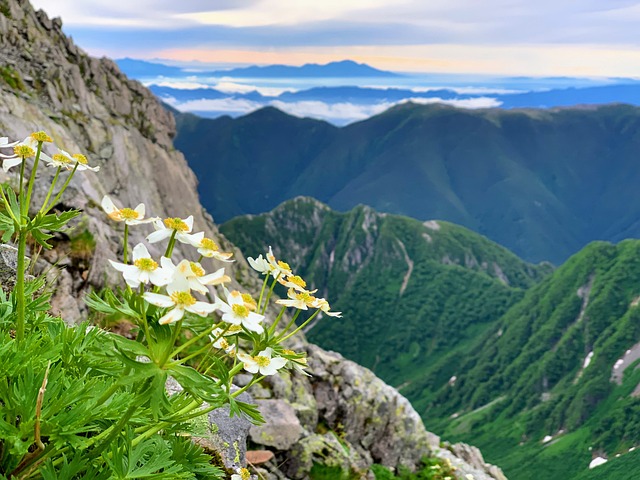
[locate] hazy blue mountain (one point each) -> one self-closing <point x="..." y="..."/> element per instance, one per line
<point x="140" y="68"/>
<point x="342" y="69"/>
<point x="544" y="183"/>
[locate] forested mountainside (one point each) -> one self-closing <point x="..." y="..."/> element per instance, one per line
<point x="544" y="379"/>
<point x="543" y="183"/>
<point x="414" y="295"/>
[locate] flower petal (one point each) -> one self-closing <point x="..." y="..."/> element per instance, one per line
<point x="171" y="316"/>
<point x="158" y="299"/>
<point x="140" y="251"/>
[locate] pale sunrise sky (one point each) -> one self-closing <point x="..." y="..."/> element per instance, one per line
<point x="510" y="37"/>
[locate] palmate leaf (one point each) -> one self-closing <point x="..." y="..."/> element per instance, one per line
<point x="41" y="225"/>
<point x="150" y="458"/>
<point x="197" y="384"/>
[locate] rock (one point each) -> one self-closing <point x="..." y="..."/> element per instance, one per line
<point x="258" y="457"/>
<point x="282" y="428"/>
<point x="325" y="450"/>
<point x="226" y="435"/>
<point x="8" y="266"/>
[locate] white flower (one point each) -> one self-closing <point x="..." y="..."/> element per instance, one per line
<point x="68" y="161"/>
<point x="295" y="282"/>
<point x="217" y="337"/>
<point x="300" y="300"/>
<point x="298" y="363"/>
<point x="241" y="474"/>
<point x="143" y="270"/>
<point x="21" y="150"/>
<point x="129" y="216"/>
<point x="181" y="301"/>
<point x="278" y="267"/>
<point x="208" y="248"/>
<point x="165" y="228"/>
<point x="323" y="305"/>
<point x="260" y="264"/>
<point x="262" y="362"/>
<point x="191" y="276"/>
<point x="237" y="311"/>
<point x="270" y="265"/>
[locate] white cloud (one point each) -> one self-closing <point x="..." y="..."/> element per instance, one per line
<point x="338" y="113"/>
<point x="471" y="103"/>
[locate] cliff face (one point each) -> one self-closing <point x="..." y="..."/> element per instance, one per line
<point x="87" y="105"/>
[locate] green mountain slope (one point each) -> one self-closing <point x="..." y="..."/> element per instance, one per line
<point x="528" y="379"/>
<point x="414" y="295"/>
<point x="544" y="183"/>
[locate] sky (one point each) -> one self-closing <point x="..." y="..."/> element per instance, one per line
<point x="596" y="38"/>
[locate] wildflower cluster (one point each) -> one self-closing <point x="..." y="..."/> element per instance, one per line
<point x="15" y="220"/>
<point x="102" y="409"/>
<point x="164" y="293"/>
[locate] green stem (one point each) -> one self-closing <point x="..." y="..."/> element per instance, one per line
<point x="200" y="259"/>
<point x="21" y="186"/>
<point x="152" y="430"/>
<point x="32" y="179"/>
<point x="64" y="187"/>
<point x="193" y="340"/>
<point x="291" y="322"/>
<point x="168" y="351"/>
<point x="172" y="243"/>
<point x="126" y="244"/>
<point x="51" y="188"/>
<point x="264" y="286"/>
<point x="272" y="328"/>
<point x="253" y="381"/>
<point x="193" y="355"/>
<point x="273" y="285"/>
<point x="304" y="324"/>
<point x="19" y="288"/>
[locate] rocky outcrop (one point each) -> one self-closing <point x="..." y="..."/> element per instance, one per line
<point x="342" y="414"/>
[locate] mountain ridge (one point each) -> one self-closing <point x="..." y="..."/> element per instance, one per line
<point x="522" y="177"/>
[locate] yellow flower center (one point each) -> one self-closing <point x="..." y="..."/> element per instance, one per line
<point x="78" y="157"/>
<point x="146" y="264"/>
<point x="209" y="244"/>
<point x="58" y="157"/>
<point x="41" y="137"/>
<point x="234" y="329"/>
<point x="24" y="151"/>
<point x="305" y="297"/>
<point x="129" y="214"/>
<point x="284" y="265"/>
<point x="223" y="343"/>
<point x="288" y="352"/>
<point x="197" y="270"/>
<point x="183" y="299"/>
<point x="244" y="474"/>
<point x="295" y="279"/>
<point x="262" y="361"/>
<point x="240" y="310"/>
<point x="176" y="224"/>
<point x="249" y="302"/>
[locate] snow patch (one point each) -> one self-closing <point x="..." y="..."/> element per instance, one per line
<point x="452" y="380"/>
<point x="597" y="461"/>
<point x="432" y="224"/>
<point x="547" y="439"/>
<point x="587" y="360"/>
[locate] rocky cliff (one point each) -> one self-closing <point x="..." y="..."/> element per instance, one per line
<point x="89" y="106"/>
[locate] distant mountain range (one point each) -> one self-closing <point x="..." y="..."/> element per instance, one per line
<point x="543" y="380"/>
<point x="341" y="69"/>
<point x="543" y="183"/>
<point x="629" y="93"/>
